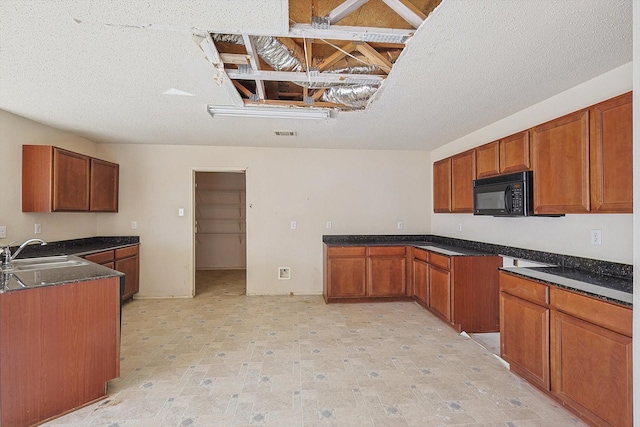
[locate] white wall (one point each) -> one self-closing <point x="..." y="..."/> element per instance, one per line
<point x="636" y="214"/>
<point x="14" y="132"/>
<point x="360" y="191"/>
<point x="567" y="235"/>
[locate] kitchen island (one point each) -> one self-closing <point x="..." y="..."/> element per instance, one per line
<point x="59" y="337"/>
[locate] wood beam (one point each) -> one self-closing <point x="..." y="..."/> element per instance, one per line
<point x="255" y="63"/>
<point x="235" y="58"/>
<point x="407" y="11"/>
<point x="318" y="94"/>
<point x="366" y="34"/>
<point x="372" y="55"/>
<point x="337" y="56"/>
<point x="344" y="9"/>
<point x="295" y="103"/>
<point x="290" y="76"/>
<point x="246" y="92"/>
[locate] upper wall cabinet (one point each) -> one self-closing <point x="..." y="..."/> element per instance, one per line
<point x="508" y="155"/>
<point x="57" y="180"/>
<point x="488" y="160"/>
<point x="442" y="185"/>
<point x="611" y="155"/>
<point x="560" y="150"/>
<point x="514" y="153"/>
<point x="463" y="172"/>
<point x="104" y="186"/>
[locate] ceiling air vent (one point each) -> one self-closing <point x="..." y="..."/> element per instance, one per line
<point x="285" y="133"/>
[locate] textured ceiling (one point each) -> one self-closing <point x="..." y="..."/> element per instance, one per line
<point x="99" y="69"/>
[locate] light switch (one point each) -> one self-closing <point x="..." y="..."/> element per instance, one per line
<point x="181" y="212"/>
<point x="3" y="231"/>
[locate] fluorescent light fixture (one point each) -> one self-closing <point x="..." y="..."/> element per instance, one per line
<point x="269" y="112"/>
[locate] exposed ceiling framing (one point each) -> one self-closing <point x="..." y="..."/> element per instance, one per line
<point x="337" y="54"/>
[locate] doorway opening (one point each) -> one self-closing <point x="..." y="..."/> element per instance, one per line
<point x="220" y="233"/>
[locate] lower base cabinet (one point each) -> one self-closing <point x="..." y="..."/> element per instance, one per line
<point x="125" y="260"/>
<point x="354" y="273"/>
<point x="59" y="345"/>
<point x="574" y="347"/>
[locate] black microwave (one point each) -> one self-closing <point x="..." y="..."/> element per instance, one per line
<point x="504" y="195"/>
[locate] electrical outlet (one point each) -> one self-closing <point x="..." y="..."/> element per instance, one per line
<point x="596" y="237"/>
<point x="294" y="225"/>
<point x="3" y="231"/>
<point x="400" y="225"/>
<point x="37" y="229"/>
<point x="134" y="225"/>
<point x="328" y="225"/>
<point x="284" y="273"/>
<point x="459" y="226"/>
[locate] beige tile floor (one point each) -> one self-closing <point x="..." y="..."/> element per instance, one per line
<point x="225" y="359"/>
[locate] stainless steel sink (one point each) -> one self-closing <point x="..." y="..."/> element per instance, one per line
<point x="46" y="263"/>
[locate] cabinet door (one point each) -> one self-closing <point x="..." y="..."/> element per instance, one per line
<point x="104" y="186"/>
<point x="560" y="151"/>
<point x="387" y="276"/>
<point x="421" y="281"/>
<point x="592" y="370"/>
<point x="514" y="153"/>
<point x="611" y="156"/>
<point x="463" y="172"/>
<point x="70" y="181"/>
<point x="440" y="291"/>
<point x="487" y="160"/>
<point x="347" y="277"/>
<point x="130" y="268"/>
<point x="524" y="338"/>
<point x="442" y="186"/>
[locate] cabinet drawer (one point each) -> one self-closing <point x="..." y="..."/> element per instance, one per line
<point x="525" y="289"/>
<point x="387" y="250"/>
<point x="421" y="254"/>
<point x="346" y="251"/>
<point x="441" y="261"/>
<point x="100" y="257"/>
<point x="602" y="313"/>
<point x="126" y="252"/>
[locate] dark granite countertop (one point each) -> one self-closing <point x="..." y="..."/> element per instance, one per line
<point x="78" y="247"/>
<point x="605" y="280"/>
<point x="16" y="280"/>
<point x="609" y="288"/>
<point x="13" y="280"/>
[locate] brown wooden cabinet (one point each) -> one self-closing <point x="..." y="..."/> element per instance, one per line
<point x="440" y="291"/>
<point x="365" y="272"/>
<point x="345" y="272"/>
<point x="54" y="180"/>
<point x="463" y="172"/>
<point x="387" y="271"/>
<point x="125" y="260"/>
<point x="514" y="153"/>
<point x="420" y="276"/>
<point x="524" y="329"/>
<point x="57" y="180"/>
<point x="463" y="291"/>
<point x="59" y="345"/>
<point x="104" y="186"/>
<point x="442" y="186"/>
<point x="560" y="150"/>
<point x="575" y="347"/>
<point x="611" y="155"/>
<point x="488" y="160"/>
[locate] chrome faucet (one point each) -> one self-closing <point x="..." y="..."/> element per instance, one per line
<point x="7" y="257"/>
